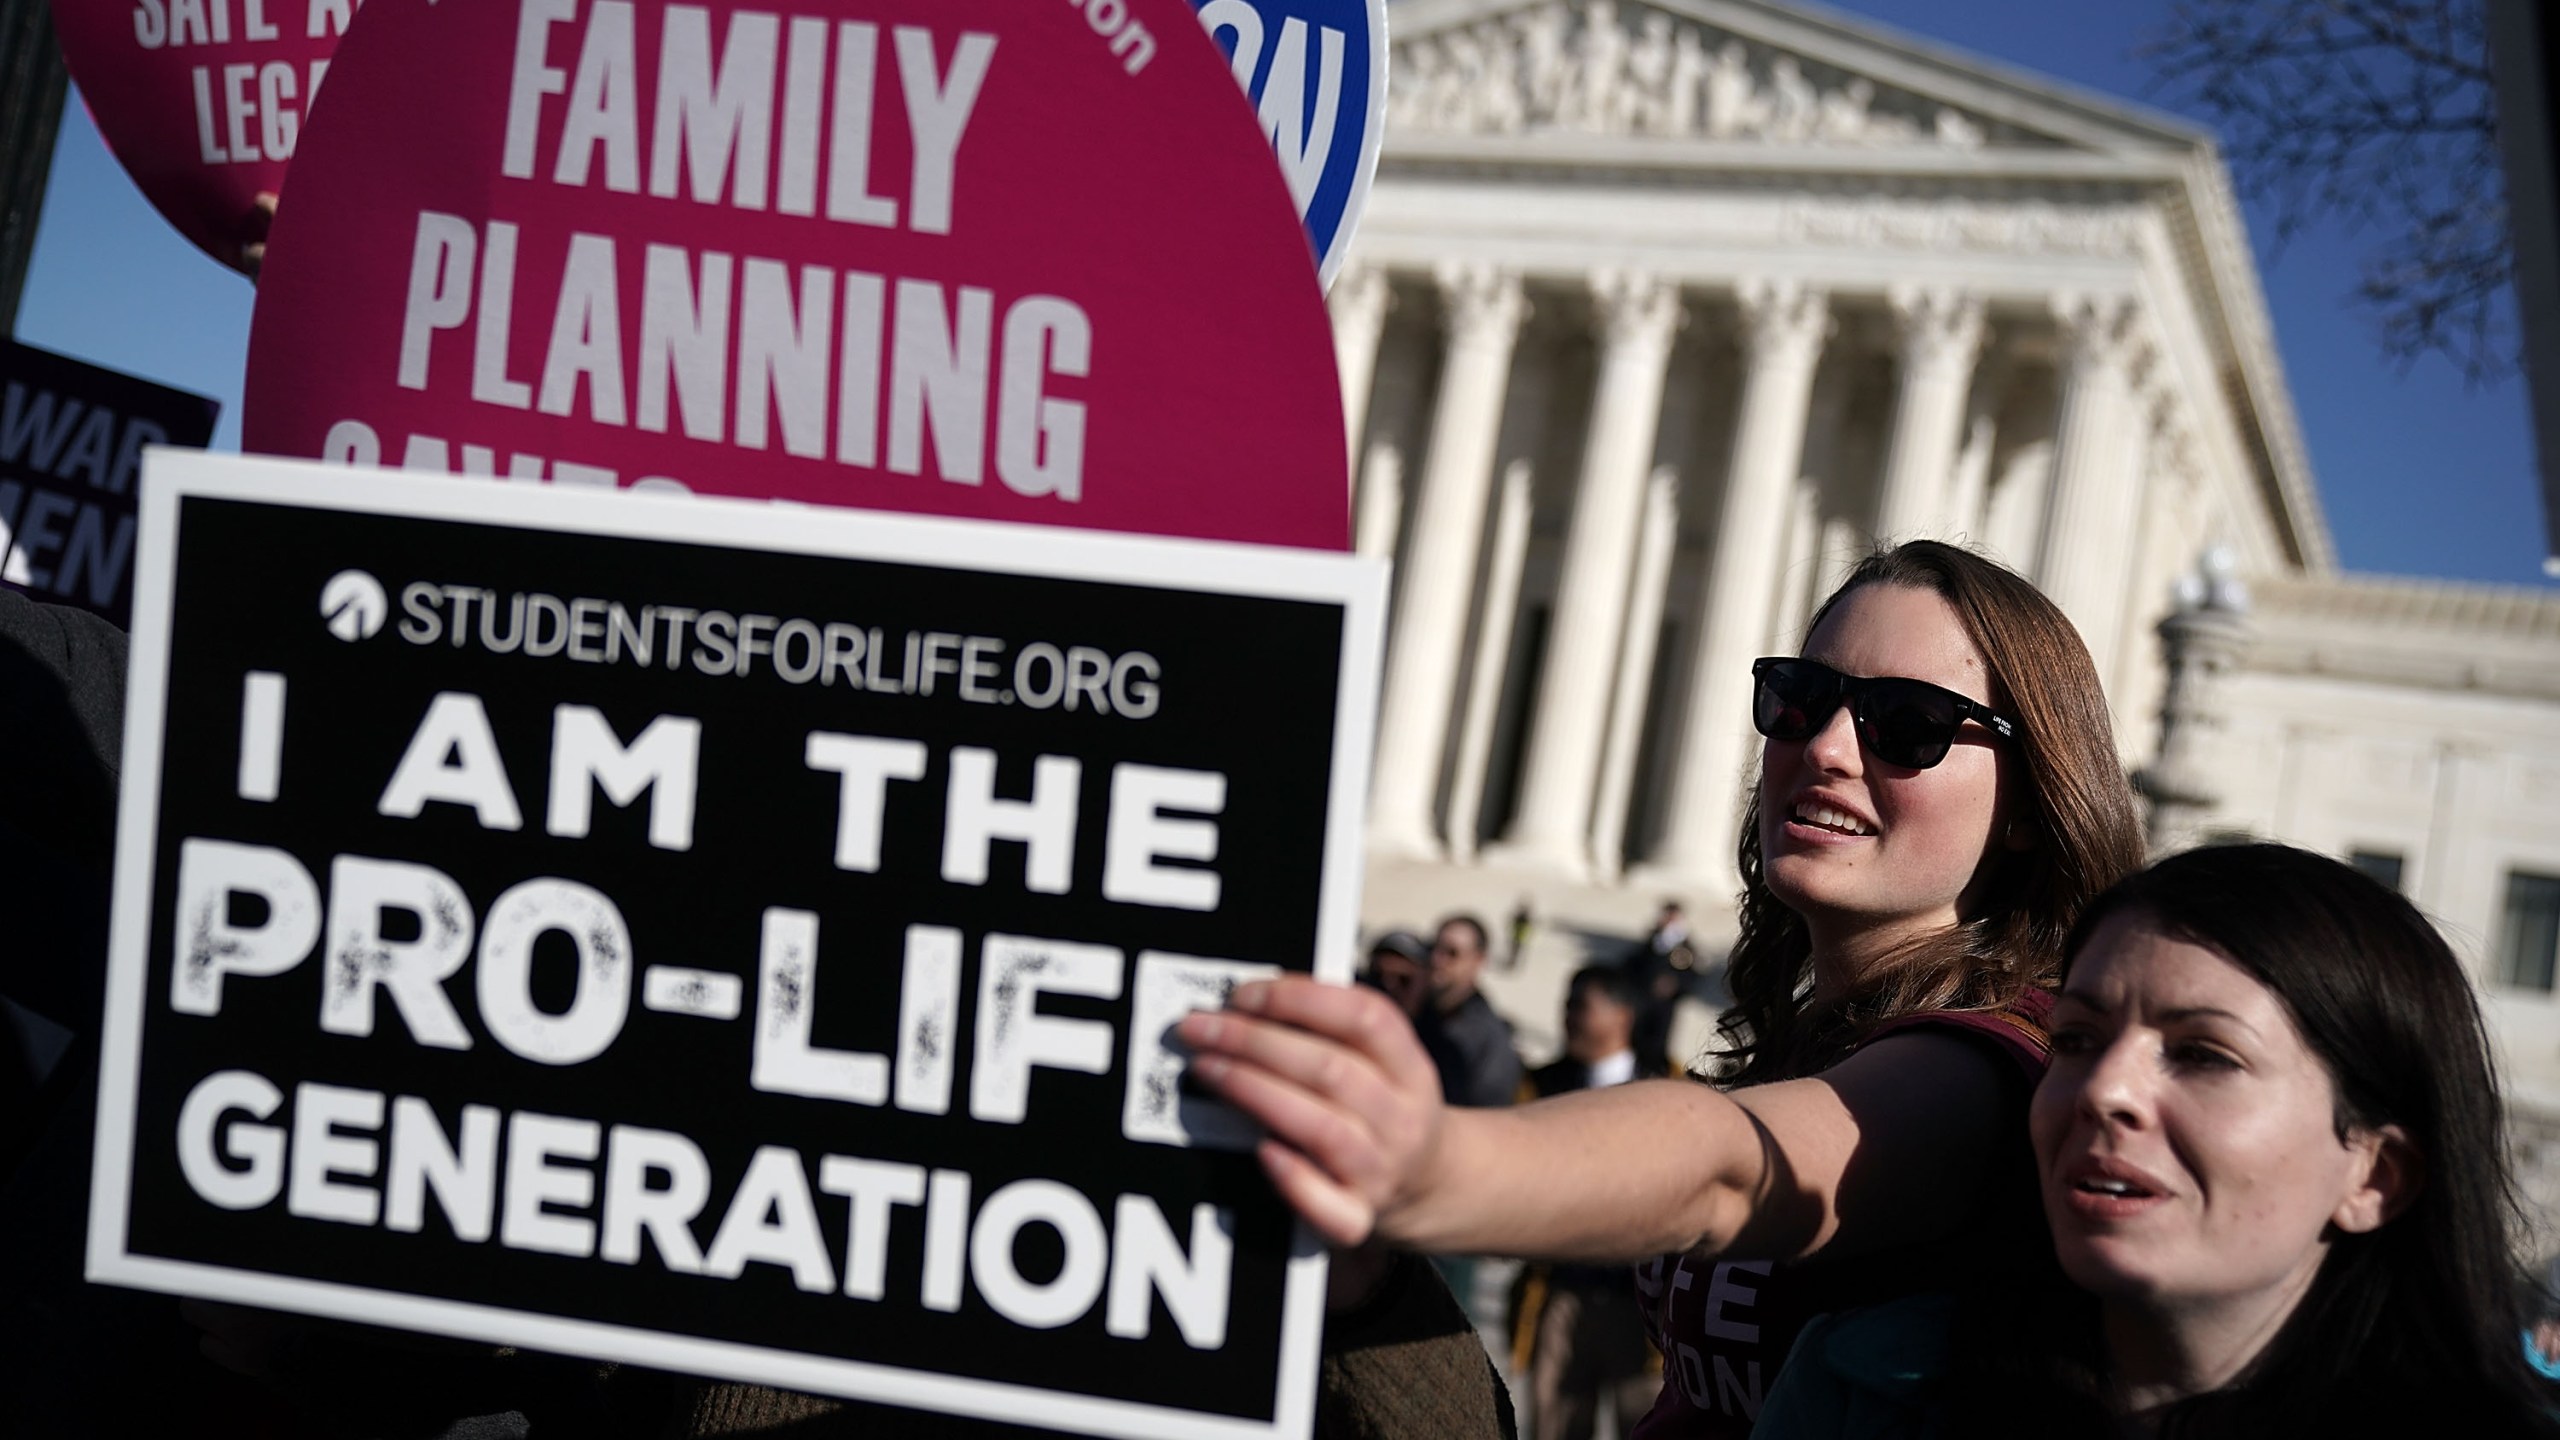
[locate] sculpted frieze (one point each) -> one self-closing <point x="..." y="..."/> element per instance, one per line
<point x="1597" y="67"/>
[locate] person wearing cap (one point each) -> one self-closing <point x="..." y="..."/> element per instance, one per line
<point x="1400" y="968"/>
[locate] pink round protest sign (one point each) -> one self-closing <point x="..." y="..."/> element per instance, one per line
<point x="1024" y="260"/>
<point x="203" y="101"/>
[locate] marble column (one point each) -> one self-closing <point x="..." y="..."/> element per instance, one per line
<point x="2013" y="512"/>
<point x="1483" y="307"/>
<point x="1969" y="479"/>
<point x="1940" y="330"/>
<point x="1358" y="301"/>
<point x="1381" y="506"/>
<point x="1634" y="692"/>
<point x="1800" y="565"/>
<point x="2086" y="557"/>
<point x="1806" y="561"/>
<point x="1509" y="557"/>
<point x="1637" y="315"/>
<point x="1784" y="325"/>
<point x="2151" y="566"/>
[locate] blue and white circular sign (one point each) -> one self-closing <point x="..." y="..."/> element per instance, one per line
<point x="1316" y="71"/>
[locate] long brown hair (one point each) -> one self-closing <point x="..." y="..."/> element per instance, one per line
<point x="2078" y="804"/>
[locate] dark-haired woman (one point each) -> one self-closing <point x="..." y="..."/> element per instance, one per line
<point x="2271" y="1153"/>
<point x="1938" y="797"/>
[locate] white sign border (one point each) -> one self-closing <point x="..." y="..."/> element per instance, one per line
<point x="169" y="476"/>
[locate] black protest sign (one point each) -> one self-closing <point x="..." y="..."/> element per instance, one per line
<point x="728" y="937"/>
<point x="71" y="442"/>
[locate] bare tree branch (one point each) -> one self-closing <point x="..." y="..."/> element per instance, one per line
<point x="2376" y="114"/>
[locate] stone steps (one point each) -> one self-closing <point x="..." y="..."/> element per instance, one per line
<point x="1572" y="925"/>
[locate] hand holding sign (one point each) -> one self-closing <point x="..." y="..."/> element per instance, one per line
<point x="1351" y="1103"/>
<point x="731" y="939"/>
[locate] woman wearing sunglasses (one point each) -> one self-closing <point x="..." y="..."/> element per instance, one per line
<point x="1939" y="795"/>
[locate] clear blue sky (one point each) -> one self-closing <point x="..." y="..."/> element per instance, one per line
<point x="2420" y="476"/>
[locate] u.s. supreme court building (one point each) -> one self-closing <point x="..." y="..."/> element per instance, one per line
<point x="1660" y="313"/>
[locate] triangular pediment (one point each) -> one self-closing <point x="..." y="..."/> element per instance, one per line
<point x="1727" y="71"/>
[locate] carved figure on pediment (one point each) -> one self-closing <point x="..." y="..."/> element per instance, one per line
<point x="1734" y="106"/>
<point x="1587" y="67"/>
<point x="1461" y="92"/>
<point x="1794" y="105"/>
<point x="1689" y="67"/>
<point x="1643" y="101"/>
<point x="1603" y="64"/>
<point x="1956" y="132"/>
<point x="1543" y="59"/>
<point x="1408" y="97"/>
<point x="1888" y="129"/>
<point x="1849" y="117"/>
<point x="1501" y="102"/>
<point x="1842" y="115"/>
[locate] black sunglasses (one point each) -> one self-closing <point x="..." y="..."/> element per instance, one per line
<point x="1903" y="722"/>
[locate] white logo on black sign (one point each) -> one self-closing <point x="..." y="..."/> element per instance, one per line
<point x="354" y="605"/>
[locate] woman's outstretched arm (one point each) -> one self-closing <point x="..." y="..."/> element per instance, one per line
<point x="1887" y="1148"/>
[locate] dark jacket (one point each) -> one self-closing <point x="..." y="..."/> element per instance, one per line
<point x="1472" y="1047"/>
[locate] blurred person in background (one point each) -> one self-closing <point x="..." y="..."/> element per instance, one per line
<point x="1470" y="1046"/>
<point x="1466" y="1039"/>
<point x="1660" y="971"/>
<point x="1577" y="1334"/>
<point x="1400" y="969"/>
